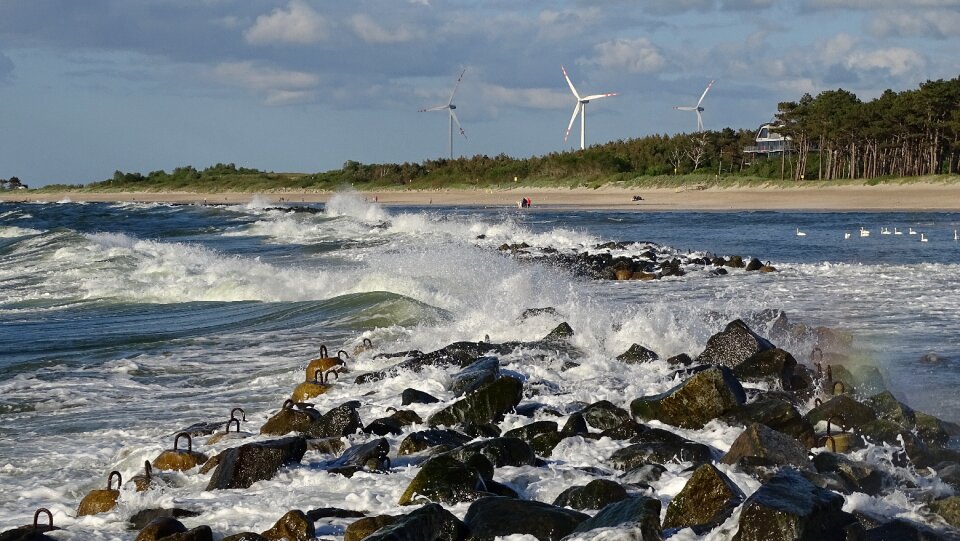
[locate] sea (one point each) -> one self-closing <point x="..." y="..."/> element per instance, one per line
<point x="122" y="323"/>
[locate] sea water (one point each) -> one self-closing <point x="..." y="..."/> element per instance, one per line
<point x="122" y="323"/>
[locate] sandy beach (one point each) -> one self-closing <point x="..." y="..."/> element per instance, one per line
<point x="941" y="197"/>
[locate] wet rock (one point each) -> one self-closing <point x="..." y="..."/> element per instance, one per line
<point x="779" y="415"/>
<point x="360" y="529"/>
<point x="562" y="331"/>
<point x="856" y="476"/>
<point x="735" y="344"/>
<point x="542" y="436"/>
<point x="660" y="446"/>
<point x="693" y="403"/>
<point x="159" y="528"/>
<point x="754" y="265"/>
<point x="498" y="516"/>
<point x="487" y="404"/>
<point x="762" y="445"/>
<point x="603" y="415"/>
<point x="413" y="396"/>
<point x="499" y="451"/>
<point x="637" y="354"/>
<point x="446" y="439"/>
<point x="576" y="425"/>
<point x="641" y="511"/>
<point x="241" y="467"/>
<point x="326" y="446"/>
<point x="101" y="500"/>
<point x="482" y="430"/>
<point x="25" y="533"/>
<point x="333" y="512"/>
<point x="200" y="533"/>
<point x="790" y="507"/>
<point x="342" y="420"/>
<point x="903" y="530"/>
<point x="888" y="407"/>
<point x="624" y="431"/>
<point x="291" y="418"/>
<point x="429" y="523"/>
<point x="177" y="459"/>
<point x="533" y="312"/>
<point x="444" y="479"/>
<point x="293" y="526"/>
<point x="682" y="360"/>
<point x="948" y="509"/>
<point x="244" y="536"/>
<point x="844" y="411"/>
<point x="643" y="474"/>
<point x="768" y="364"/>
<point x="594" y="495"/>
<point x="393" y="424"/>
<point x="868" y="379"/>
<point x="930" y="429"/>
<point x="485" y="370"/>
<point x="708" y="499"/>
<point x="142" y="518"/>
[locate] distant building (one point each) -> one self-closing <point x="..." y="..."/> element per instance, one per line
<point x="769" y="142"/>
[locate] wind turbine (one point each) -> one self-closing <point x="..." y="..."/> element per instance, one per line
<point x="451" y="108"/>
<point x="697" y="108"/>
<point x="580" y="109"/>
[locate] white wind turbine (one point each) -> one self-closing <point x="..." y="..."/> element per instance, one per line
<point x="453" y="116"/>
<point x="580" y="109"/>
<point x="697" y="108"/>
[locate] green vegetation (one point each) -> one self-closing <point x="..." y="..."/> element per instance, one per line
<point x="836" y="138"/>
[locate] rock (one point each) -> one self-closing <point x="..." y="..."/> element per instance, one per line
<point x="931" y="430"/>
<point x="639" y="510"/>
<point x="856" y="476"/>
<point x="293" y="526"/>
<point x="446" y="439"/>
<point x="594" y="495"/>
<point x="888" y="407"/>
<point x="444" y="479"/>
<point x="693" y="403"/>
<point x="562" y="331"/>
<point x="603" y="415"/>
<point x="902" y="530"/>
<point x="498" y="516"/>
<point x="779" y="415"/>
<point x="342" y="420"/>
<point x="289" y="419"/>
<point x="643" y="474"/>
<point x="244" y="536"/>
<point x="429" y="523"/>
<point x="370" y="456"/>
<point x="200" y="533"/>
<point x="413" y="396"/>
<point x="485" y="370"/>
<point x="844" y="411"/>
<point x="868" y="379"/>
<point x="754" y="265"/>
<point x="499" y="451"/>
<point x="682" y="360"/>
<point x="660" y="446"/>
<point x="102" y="500"/>
<point x="708" y="499"/>
<point x="735" y="344"/>
<point x="768" y="364"/>
<point x="762" y="445"/>
<point x="948" y="509"/>
<point x="177" y="459"/>
<point x="309" y="389"/>
<point x="333" y="512"/>
<point x="576" y="425"/>
<point x="159" y="528"/>
<point x="637" y="354"/>
<point x="142" y="518"/>
<point x="790" y="507"/>
<point x="542" y="436"/>
<point x="487" y="404"/>
<point x="241" y="467"/>
<point x="362" y="528"/>
<point x="326" y="446"/>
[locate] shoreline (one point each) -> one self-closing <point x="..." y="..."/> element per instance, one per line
<point x="881" y="198"/>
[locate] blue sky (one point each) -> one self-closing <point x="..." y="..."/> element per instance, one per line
<point x="88" y="87"/>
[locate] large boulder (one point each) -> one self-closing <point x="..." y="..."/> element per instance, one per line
<point x="948" y="509"/>
<point x="542" y="436"/>
<point x="444" y="479"/>
<point x="159" y="528"/>
<point x="692" y="404"/>
<point x="290" y="418"/>
<point x="762" y="445"/>
<point x="360" y="529"/>
<point x="429" y="523"/>
<point x="843" y="411"/>
<point x="442" y="439"/>
<point x="371" y="456"/>
<point x="596" y="494"/>
<point x="767" y="364"/>
<point x="779" y="415"/>
<point x="413" y="396"/>
<point x="498" y="516"/>
<point x="240" y="467"/>
<point x="637" y="354"/>
<point x="499" y="451"/>
<point x="640" y="511"/>
<point x="708" y="499"/>
<point x="393" y="423"/>
<point x="485" y="370"/>
<point x="293" y="526"/>
<point x="485" y="405"/>
<point x="603" y="415"/>
<point x="790" y="507"/>
<point x="654" y="445"/>
<point x="856" y="476"/>
<point x="732" y="346"/>
<point x="141" y="518"/>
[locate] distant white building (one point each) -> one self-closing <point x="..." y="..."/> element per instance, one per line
<point x="769" y="142"/>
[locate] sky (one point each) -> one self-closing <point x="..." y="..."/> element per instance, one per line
<point x="89" y="87"/>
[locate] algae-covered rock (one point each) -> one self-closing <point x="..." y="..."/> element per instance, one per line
<point x="360" y="529"/>
<point x="498" y="516"/>
<point x="477" y="374"/>
<point x="102" y="500"/>
<point x="293" y="526"/>
<point x="708" y="499"/>
<point x="594" y="495"/>
<point x="779" y="415"/>
<point x="429" y="523"/>
<point x="241" y="467"/>
<point x="289" y="419"/>
<point x="446" y="439"/>
<point x="693" y="403"/>
<point x="760" y="444"/>
<point x="637" y="354"/>
<point x="542" y="436"/>
<point x="637" y="510"/>
<point x="485" y="405"/>
<point x="856" y="476"/>
<point x="499" y="451"/>
<point x="844" y="411"/>
<point x="177" y="459"/>
<point x="413" y="396"/>
<point x="603" y="415"/>
<point x="200" y="533"/>
<point x="767" y="364"/>
<point x="735" y="344"/>
<point x="654" y="445"/>
<point x="948" y="509"/>
<point x="159" y="528"/>
<point x="444" y="479"/>
<point x="891" y="409"/>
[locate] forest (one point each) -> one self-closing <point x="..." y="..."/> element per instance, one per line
<point x="833" y="135"/>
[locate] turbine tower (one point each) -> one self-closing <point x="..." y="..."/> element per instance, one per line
<point x="697" y="108"/>
<point x="451" y="108"/>
<point x="580" y="109"/>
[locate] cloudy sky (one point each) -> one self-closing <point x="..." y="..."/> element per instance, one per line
<point x="87" y="87"/>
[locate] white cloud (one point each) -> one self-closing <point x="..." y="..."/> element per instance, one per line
<point x="531" y="98"/>
<point x="837" y="48"/>
<point x="896" y="61"/>
<point x="299" y="23"/>
<point x="280" y="87"/>
<point x="938" y="24"/>
<point x="370" y="31"/>
<point x="633" y="55"/>
<point x="880" y="4"/>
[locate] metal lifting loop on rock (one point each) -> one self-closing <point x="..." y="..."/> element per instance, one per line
<point x="331" y="371"/>
<point x="323" y="351"/>
<point x="829" y="372"/>
<point x="36" y="518"/>
<point x="817" y="402"/>
<point x="367" y="343"/>
<point x="242" y="413"/>
<point x="843" y="388"/>
<point x="830" y="443"/>
<point x="816" y="354"/>
<point x="840" y="424"/>
<point x="147" y="470"/>
<point x="288" y="404"/>
<point x="189" y="442"/>
<point x="347" y="355"/>
<point x="319" y="376"/>
<point x="110" y="478"/>
<point x="230" y="422"/>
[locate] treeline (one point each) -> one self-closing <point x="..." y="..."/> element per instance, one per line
<point x="909" y="133"/>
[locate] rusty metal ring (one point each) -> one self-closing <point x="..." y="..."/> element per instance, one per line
<point x="817" y="402"/>
<point x="288" y="404"/>
<point x="829" y="372"/>
<point x="36" y="518"/>
<point x="344" y="352"/>
<point x="230" y="422"/>
<point x="242" y="413"/>
<point x="110" y="478"/>
<point x="323" y="351"/>
<point x="832" y="443"/>
<point x="843" y="387"/>
<point x="367" y="343"/>
<point x="830" y="420"/>
<point x="147" y="469"/>
<point x="318" y="375"/>
<point x="176" y="440"/>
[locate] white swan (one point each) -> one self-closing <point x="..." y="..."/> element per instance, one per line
<point x="912" y="232"/>
<point x="955" y="237"/>
<point x="846" y="236"/>
<point x="884" y="231"/>
<point x="897" y="231"/>
<point x="864" y="232"/>
<point x="801" y="233"/>
<point x="923" y="238"/>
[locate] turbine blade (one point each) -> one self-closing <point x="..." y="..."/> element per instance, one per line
<point x="576" y="111"/>
<point x="453" y="115"/>
<point x="437" y="108"/>
<point x="705" y="93"/>
<point x="456" y="86"/>
<point x="569" y="82"/>
<point x="598" y="96"/>
<point x="684" y="108"/>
